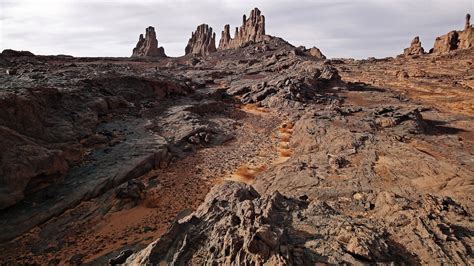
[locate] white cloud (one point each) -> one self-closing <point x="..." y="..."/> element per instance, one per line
<point x="341" y="28"/>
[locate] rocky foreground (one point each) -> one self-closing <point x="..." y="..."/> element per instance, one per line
<point x="258" y="152"/>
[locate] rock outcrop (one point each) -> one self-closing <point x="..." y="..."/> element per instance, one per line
<point x="415" y="48"/>
<point x="252" y="30"/>
<point x="455" y="40"/>
<point x="148" y="46"/>
<point x="315" y="52"/>
<point x="26" y="165"/>
<point x="237" y="225"/>
<point x="202" y="41"/>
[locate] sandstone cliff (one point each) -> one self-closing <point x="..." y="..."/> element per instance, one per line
<point x="148" y="46"/>
<point x="455" y="40"/>
<point x="202" y="41"/>
<point x="252" y="30"/>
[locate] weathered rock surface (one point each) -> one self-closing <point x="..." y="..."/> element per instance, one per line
<point x="236" y="225"/>
<point x="455" y="40"/>
<point x="148" y="46"/>
<point x="26" y="165"/>
<point x="415" y="48"/>
<point x="202" y="41"/>
<point x="252" y="30"/>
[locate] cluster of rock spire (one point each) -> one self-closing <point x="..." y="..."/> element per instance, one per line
<point x="252" y="30"/>
<point x="453" y="40"/>
<point x="203" y="40"/>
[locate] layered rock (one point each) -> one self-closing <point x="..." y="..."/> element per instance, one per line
<point x="252" y="30"/>
<point x="455" y="40"/>
<point x="148" y="46"/>
<point x="26" y="166"/>
<point x="415" y="48"/>
<point x="202" y="41"/>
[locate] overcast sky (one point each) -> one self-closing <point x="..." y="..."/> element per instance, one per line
<point x="340" y="28"/>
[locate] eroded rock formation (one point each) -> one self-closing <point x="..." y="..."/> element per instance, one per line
<point x="315" y="52"/>
<point x="237" y="225"/>
<point x="455" y="40"/>
<point x="252" y="30"/>
<point x="148" y="46"/>
<point x="415" y="48"/>
<point x="202" y="41"/>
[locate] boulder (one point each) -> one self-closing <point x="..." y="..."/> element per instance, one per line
<point x="148" y="46"/>
<point x="252" y="30"/>
<point x="202" y="41"/>
<point x="415" y="48"/>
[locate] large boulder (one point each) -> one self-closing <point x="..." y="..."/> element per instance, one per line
<point x="252" y="30"/>
<point x="202" y="41"/>
<point x="148" y="46"/>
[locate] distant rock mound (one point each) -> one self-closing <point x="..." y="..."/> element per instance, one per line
<point x="14" y="53"/>
<point x="202" y="41"/>
<point x="148" y="46"/>
<point x="415" y="48"/>
<point x="252" y="30"/>
<point x="455" y="40"/>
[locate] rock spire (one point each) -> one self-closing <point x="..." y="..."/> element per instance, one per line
<point x="202" y="41"/>
<point x="415" y="48"/>
<point x="252" y="30"/>
<point x="148" y="46"/>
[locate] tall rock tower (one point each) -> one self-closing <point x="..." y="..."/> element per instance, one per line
<point x="252" y="30"/>
<point x="202" y="41"/>
<point x="148" y="46"/>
